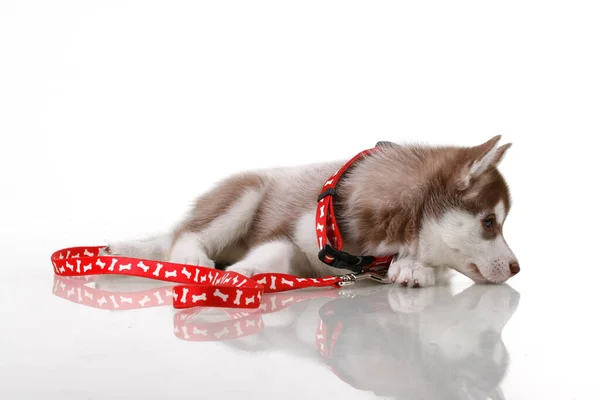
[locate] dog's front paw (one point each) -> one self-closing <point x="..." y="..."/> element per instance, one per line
<point x="411" y="273"/>
<point x="197" y="258"/>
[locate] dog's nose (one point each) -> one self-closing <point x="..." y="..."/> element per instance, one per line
<point x="514" y="267"/>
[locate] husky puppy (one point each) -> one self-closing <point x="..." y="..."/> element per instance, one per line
<point x="433" y="207"/>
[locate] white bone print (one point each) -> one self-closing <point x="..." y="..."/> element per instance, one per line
<point x="238" y="328"/>
<point x="157" y="270"/>
<point x="320" y="227"/>
<point x="197" y="331"/>
<point x="127" y="300"/>
<point x="197" y="298"/>
<point x="88" y="295"/>
<point x="203" y="278"/>
<point x="262" y="281"/>
<point x="273" y="287"/>
<point x="100" y="264"/>
<point x="171" y="274"/>
<point x="71" y="267"/>
<point x="125" y="267"/>
<point x="185" y="332"/>
<point x="70" y="293"/>
<point x="87" y="253"/>
<point x="196" y="277"/>
<point x="223" y="332"/>
<point x="184" y="295"/>
<point x="101" y="301"/>
<point x="186" y="273"/>
<point x="87" y="268"/>
<point x="221" y="295"/>
<point x="61" y="270"/>
<point x="143" y="266"/>
<point x="286" y="301"/>
<point x="329" y="182"/>
<point x="300" y="279"/>
<point x="112" y="264"/>
<point x="145" y="300"/>
<point x="158" y="298"/>
<point x="78" y="266"/>
<point x="238" y="296"/>
<point x="322" y="210"/>
<point x="79" y="298"/>
<point x="242" y="282"/>
<point x="286" y="282"/>
<point x="114" y="301"/>
<point x="249" y="300"/>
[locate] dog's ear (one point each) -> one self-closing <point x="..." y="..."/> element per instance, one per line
<point x="481" y="158"/>
<point x="384" y="143"/>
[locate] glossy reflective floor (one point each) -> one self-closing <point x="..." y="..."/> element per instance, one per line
<point x="115" y="115"/>
<point x="118" y="337"/>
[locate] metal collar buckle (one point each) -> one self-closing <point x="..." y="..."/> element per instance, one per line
<point x="378" y="275"/>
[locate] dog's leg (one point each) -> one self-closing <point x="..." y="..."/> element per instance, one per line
<point x="206" y="245"/>
<point x="407" y="271"/>
<point x="274" y="256"/>
<point x="153" y="248"/>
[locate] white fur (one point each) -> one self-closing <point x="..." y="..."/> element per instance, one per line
<point x="226" y="228"/>
<point x="275" y="256"/>
<point x="500" y="212"/>
<point x="485" y="162"/>
<point x="409" y="272"/>
<point x="154" y="248"/>
<point x="190" y="249"/>
<point x="456" y="241"/>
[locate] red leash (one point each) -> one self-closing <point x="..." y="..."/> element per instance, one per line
<point x="207" y="287"/>
<point x="197" y="286"/>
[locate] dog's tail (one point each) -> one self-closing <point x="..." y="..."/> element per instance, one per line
<point x="153" y="248"/>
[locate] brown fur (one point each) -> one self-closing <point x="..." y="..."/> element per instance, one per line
<point x="386" y="197"/>
<point x="217" y="201"/>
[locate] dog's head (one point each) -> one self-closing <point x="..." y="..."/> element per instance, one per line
<point x="467" y="233"/>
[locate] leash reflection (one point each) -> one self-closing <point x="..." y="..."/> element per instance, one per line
<point x="395" y="342"/>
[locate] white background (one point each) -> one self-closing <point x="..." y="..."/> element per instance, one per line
<point x="114" y="115"/>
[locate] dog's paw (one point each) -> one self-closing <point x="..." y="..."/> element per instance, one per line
<point x="197" y="258"/>
<point x="244" y="269"/>
<point x="187" y="250"/>
<point x="124" y="248"/>
<point x="410" y="301"/>
<point x="411" y="273"/>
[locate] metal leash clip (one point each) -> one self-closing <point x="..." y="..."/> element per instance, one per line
<point x="376" y="274"/>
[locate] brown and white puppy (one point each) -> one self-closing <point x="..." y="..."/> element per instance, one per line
<point x="433" y="206"/>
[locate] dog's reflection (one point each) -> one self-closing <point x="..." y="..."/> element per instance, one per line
<point x="403" y="343"/>
<point x="395" y="342"/>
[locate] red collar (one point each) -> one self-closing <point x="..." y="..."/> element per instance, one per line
<point x="328" y="232"/>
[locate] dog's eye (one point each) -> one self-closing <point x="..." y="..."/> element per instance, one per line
<point x="489" y="222"/>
